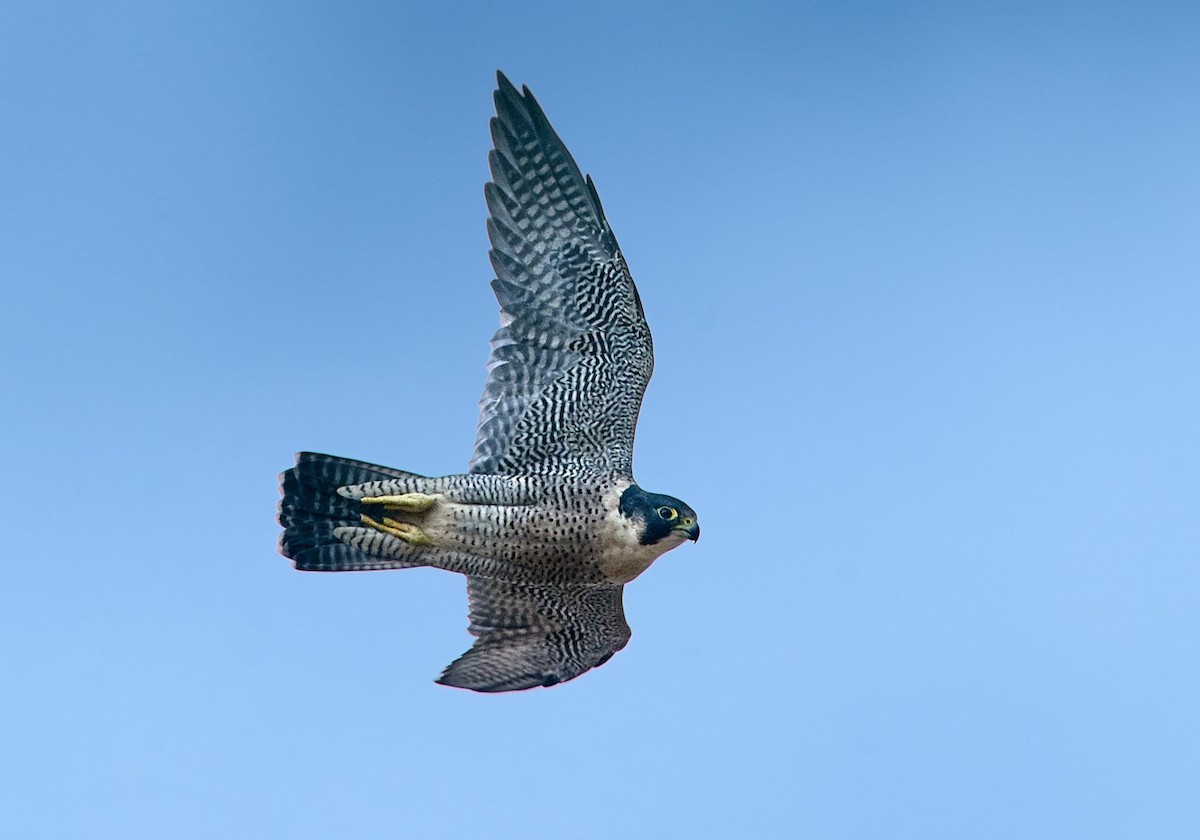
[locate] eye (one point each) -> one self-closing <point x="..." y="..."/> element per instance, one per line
<point x="667" y="513"/>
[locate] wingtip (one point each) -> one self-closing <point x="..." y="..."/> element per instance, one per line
<point x="524" y="95"/>
<point x="502" y="82"/>
<point x="451" y="679"/>
<point x="444" y="680"/>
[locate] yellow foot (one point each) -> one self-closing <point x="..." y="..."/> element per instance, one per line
<point x="409" y="502"/>
<point x="403" y="530"/>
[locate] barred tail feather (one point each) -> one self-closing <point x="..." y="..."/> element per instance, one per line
<point x="311" y="509"/>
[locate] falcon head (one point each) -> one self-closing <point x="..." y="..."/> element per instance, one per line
<point x="661" y="516"/>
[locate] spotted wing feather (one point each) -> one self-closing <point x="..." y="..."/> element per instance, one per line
<point x="537" y="635"/>
<point x="573" y="354"/>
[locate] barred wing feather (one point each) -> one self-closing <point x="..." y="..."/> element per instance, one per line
<point x="573" y="354"/>
<point x="537" y="634"/>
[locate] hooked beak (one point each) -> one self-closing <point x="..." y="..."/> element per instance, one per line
<point x="692" y="532"/>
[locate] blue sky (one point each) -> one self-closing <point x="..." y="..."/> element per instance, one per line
<point x="924" y="281"/>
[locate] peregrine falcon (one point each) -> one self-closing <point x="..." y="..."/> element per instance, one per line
<point x="548" y="524"/>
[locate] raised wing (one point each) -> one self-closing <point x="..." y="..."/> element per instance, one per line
<point x="531" y="635"/>
<point x="573" y="354"/>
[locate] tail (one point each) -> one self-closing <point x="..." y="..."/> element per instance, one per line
<point x="311" y="508"/>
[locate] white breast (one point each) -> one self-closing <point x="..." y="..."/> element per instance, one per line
<point x="623" y="557"/>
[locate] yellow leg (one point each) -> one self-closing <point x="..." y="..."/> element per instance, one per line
<point x="409" y="502"/>
<point x="403" y="530"/>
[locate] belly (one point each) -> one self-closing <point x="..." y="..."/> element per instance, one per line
<point x="558" y="544"/>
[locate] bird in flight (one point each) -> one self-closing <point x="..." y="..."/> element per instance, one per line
<point x="547" y="524"/>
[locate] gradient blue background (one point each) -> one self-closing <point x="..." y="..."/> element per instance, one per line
<point x="925" y="284"/>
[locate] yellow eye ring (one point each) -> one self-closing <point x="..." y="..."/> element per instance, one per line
<point x="668" y="513"/>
